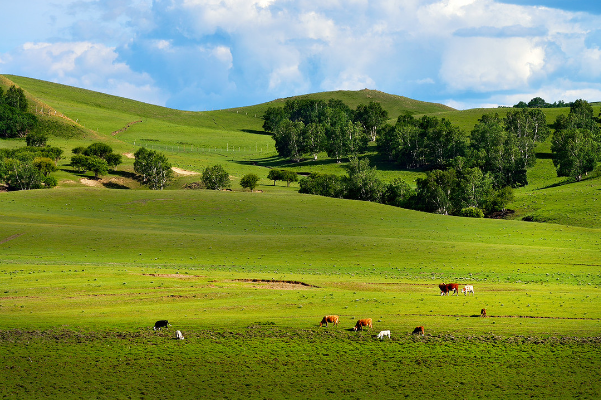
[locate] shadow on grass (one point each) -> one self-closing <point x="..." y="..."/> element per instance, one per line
<point x="256" y="132"/>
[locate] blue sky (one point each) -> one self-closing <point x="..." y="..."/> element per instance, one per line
<point x="213" y="54"/>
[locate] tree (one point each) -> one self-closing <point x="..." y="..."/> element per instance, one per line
<point x="288" y="139"/>
<point x="314" y="139"/>
<point x="20" y="174"/>
<point x="36" y="139"/>
<point x="154" y="168"/>
<point x="275" y="175"/>
<point x="289" y="176"/>
<point x="249" y="181"/>
<point x="215" y="178"/>
<point x="574" y="152"/>
<point x="328" y="185"/>
<point x="434" y="191"/>
<point x="273" y="117"/>
<point x="371" y="117"/>
<point x="15" y="123"/>
<point x="398" y="193"/>
<point x="79" y="162"/>
<point x="97" y="165"/>
<point x="15" y="97"/>
<point x="158" y="170"/>
<point x="44" y="165"/>
<point x="361" y="182"/>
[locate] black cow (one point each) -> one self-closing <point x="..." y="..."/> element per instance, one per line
<point x="161" y="324"/>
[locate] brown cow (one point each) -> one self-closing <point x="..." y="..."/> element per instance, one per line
<point x="332" y="319"/>
<point x="445" y="288"/>
<point x="361" y="323"/>
<point x="419" y="330"/>
<point x="483" y="312"/>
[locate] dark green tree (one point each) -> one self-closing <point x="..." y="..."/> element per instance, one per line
<point x="314" y="139"/>
<point x="371" y="117"/>
<point x="249" y="181"/>
<point x="275" y="175"/>
<point x="36" y="139"/>
<point x="15" y="97"/>
<point x="288" y="140"/>
<point x="575" y="152"/>
<point x="362" y="182"/>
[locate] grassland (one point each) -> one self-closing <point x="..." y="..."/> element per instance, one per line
<point x="85" y="272"/>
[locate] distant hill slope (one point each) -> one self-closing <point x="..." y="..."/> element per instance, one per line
<point x="395" y="105"/>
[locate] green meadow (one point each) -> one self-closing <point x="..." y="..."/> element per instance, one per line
<point x="246" y="277"/>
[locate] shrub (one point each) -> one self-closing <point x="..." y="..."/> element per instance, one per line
<point x="249" y="181"/>
<point x="471" y="212"/>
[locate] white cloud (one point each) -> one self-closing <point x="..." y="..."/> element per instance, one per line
<point x="256" y="50"/>
<point x="488" y="64"/>
<point x="83" y="64"/>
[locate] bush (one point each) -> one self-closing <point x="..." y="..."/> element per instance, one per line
<point x="249" y="181"/>
<point x="471" y="212"/>
<point x="50" y="182"/>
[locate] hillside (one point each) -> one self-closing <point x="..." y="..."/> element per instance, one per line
<point x="234" y="137"/>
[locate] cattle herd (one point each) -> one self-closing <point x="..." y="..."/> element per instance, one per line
<point x="445" y="289"/>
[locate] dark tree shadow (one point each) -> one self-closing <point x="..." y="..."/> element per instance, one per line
<point x="256" y="132"/>
<point x="114" y="185"/>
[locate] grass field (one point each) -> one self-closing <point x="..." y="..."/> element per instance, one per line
<point x="86" y="271"/>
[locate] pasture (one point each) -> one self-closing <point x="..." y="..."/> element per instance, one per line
<point x="86" y="271"/>
<point x="247" y="277"/>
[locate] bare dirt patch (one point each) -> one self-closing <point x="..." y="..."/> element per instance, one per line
<point x="183" y="171"/>
<point x="129" y="155"/>
<point x="179" y="276"/>
<point x="11" y="238"/>
<point x="90" y="182"/>
<point x="278" y="285"/>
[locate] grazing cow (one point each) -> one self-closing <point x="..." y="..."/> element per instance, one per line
<point x="178" y="335"/>
<point x="329" y="319"/>
<point x="445" y="288"/>
<point x="383" y="333"/>
<point x="161" y="324"/>
<point x="467" y="289"/>
<point x="361" y="323"/>
<point x="419" y="330"/>
<point x="483" y="312"/>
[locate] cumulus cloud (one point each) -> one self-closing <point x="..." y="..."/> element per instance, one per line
<point x="83" y="64"/>
<point x="204" y="54"/>
<point x="490" y="64"/>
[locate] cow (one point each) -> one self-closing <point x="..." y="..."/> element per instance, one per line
<point x="329" y="319"/>
<point x="445" y="288"/>
<point x="383" y="333"/>
<point x="178" y="335"/>
<point x="419" y="330"/>
<point x="361" y="323"/>
<point x="161" y="324"/>
<point x="483" y="312"/>
<point x="467" y="289"/>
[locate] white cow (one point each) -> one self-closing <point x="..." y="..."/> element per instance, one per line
<point x="383" y="333"/>
<point x="467" y="289"/>
<point x="178" y="335"/>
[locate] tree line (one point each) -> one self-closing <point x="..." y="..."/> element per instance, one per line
<point x="465" y="172"/>
<point x="305" y="126"/>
